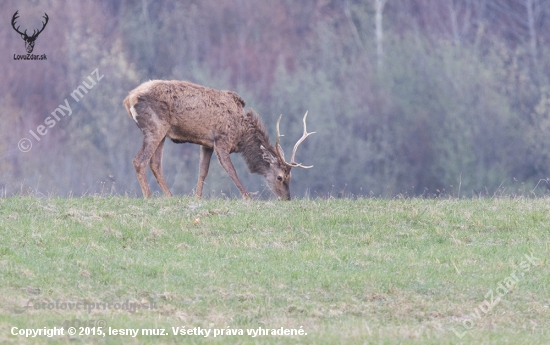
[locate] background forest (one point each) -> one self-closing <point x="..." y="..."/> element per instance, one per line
<point x="413" y="97"/>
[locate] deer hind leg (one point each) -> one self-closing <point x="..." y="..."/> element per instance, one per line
<point x="156" y="168"/>
<point x="154" y="132"/>
<point x="225" y="161"/>
<point x="140" y="163"/>
<point x="204" y="164"/>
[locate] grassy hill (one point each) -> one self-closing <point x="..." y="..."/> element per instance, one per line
<point x="373" y="271"/>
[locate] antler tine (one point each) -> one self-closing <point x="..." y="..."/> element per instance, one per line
<point x="46" y="22"/>
<point x="304" y="136"/>
<point x="13" y="19"/>
<point x="43" y="25"/>
<point x="277" y="146"/>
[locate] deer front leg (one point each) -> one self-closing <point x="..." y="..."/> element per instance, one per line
<point x="225" y="161"/>
<point x="204" y="164"/>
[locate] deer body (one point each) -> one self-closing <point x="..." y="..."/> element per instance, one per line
<point x="214" y="119"/>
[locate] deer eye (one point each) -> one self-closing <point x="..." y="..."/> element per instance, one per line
<point x="279" y="178"/>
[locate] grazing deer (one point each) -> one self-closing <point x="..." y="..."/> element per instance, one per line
<point x="29" y="40"/>
<point x="214" y="119"/>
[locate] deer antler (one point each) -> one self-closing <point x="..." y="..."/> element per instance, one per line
<point x="13" y="19"/>
<point x="43" y="26"/>
<point x="34" y="33"/>
<point x="292" y="163"/>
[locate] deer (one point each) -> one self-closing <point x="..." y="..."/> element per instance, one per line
<point x="29" y="40"/>
<point x="214" y="119"/>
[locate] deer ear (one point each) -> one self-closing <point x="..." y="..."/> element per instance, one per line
<point x="267" y="156"/>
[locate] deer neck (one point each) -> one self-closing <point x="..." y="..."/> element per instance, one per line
<point x="252" y="153"/>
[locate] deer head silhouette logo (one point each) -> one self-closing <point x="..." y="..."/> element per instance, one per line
<point x="29" y="40"/>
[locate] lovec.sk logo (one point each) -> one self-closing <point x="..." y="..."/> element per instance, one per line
<point x="29" y="40"/>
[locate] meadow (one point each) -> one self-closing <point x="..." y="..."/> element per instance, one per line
<point x="333" y="271"/>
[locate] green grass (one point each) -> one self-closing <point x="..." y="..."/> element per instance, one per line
<point x="372" y="271"/>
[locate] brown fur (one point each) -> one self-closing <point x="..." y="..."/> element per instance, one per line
<point x="214" y="119"/>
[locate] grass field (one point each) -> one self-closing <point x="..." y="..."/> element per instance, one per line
<point x="367" y="271"/>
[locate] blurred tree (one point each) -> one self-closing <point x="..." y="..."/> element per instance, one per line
<point x="406" y="96"/>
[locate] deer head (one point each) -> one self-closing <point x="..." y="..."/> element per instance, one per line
<point x="278" y="175"/>
<point x="29" y="40"/>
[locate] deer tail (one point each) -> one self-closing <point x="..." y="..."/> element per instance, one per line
<point x="130" y="107"/>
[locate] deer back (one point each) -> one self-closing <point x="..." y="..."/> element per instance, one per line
<point x="194" y="113"/>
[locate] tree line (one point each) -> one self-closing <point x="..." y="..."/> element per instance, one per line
<point x="408" y="97"/>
